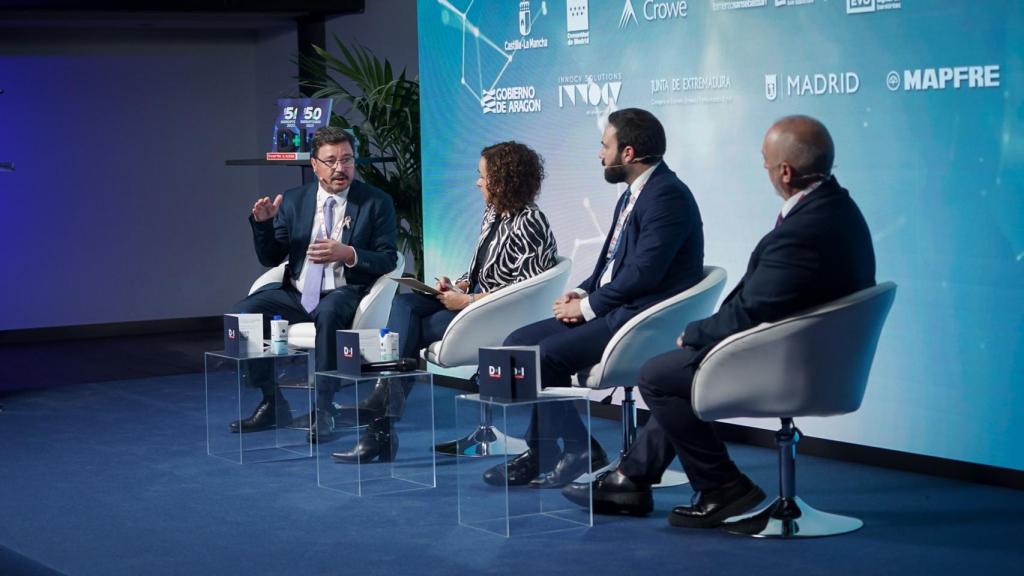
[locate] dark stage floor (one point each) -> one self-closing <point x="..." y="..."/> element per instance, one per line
<point x="105" y="472"/>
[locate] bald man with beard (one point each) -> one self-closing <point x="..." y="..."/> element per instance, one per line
<point x="819" y="250"/>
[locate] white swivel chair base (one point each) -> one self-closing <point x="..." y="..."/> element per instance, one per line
<point x="791" y="518"/>
<point x="669" y="479"/>
<point x="788" y="516"/>
<point x="486" y="440"/>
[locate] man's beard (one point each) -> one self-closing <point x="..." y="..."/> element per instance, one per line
<point x="616" y="172"/>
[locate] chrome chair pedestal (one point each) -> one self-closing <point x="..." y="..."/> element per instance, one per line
<point x="486" y="440"/>
<point x="788" y="516"/>
<point x="791" y="519"/>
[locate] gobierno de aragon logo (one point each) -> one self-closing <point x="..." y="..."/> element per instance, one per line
<point x="510" y="100"/>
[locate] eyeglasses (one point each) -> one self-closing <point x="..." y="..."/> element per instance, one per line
<point x="344" y="162"/>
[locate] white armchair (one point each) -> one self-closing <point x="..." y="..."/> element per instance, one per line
<point x="649" y="333"/>
<point x="372" y="312"/>
<point x="813" y="364"/>
<point x="487" y="323"/>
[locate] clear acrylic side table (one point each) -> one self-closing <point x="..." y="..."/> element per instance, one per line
<point x="391" y="411"/>
<point x="516" y="510"/>
<point x="231" y="395"/>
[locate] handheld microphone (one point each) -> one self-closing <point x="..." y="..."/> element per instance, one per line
<point x="400" y="365"/>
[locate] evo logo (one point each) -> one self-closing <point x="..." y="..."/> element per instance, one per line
<point x="958" y="77"/>
<point x="865" y="6"/>
<point x="494" y="371"/>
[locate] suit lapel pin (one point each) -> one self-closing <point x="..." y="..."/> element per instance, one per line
<point x="346" y="223"/>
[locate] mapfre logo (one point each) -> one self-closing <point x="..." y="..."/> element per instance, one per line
<point x="924" y="79"/>
<point x="866" y="6"/>
<point x="593" y="91"/>
<point x="510" y="100"/>
<point x="494" y="371"/>
<point x="652" y="10"/>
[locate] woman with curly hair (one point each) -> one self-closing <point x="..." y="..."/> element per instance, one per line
<point x="515" y="243"/>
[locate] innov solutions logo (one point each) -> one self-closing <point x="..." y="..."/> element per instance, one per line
<point x="924" y="79"/>
<point x="594" y="91"/>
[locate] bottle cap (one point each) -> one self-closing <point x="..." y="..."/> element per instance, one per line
<point x="384" y="332"/>
<point x="277" y="317"/>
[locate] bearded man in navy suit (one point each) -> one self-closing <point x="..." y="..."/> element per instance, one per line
<point x="654" y="250"/>
<point x="339" y="236"/>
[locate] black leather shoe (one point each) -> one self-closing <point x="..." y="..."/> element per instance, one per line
<point x="521" y="470"/>
<point x="711" y="508"/>
<point x="571" y="466"/>
<point x="322" y="426"/>
<point x="613" y="493"/>
<point x="380" y="442"/>
<point x="268" y="413"/>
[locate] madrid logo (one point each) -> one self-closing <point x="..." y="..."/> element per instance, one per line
<point x="771" y="86"/>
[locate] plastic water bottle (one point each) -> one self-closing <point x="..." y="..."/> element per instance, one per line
<point x="278" y="335"/>
<point x="388" y="345"/>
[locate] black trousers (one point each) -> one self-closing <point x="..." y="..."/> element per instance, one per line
<point x="665" y="384"/>
<point x="419" y="320"/>
<point x="564" y="350"/>
<point x="335" y="311"/>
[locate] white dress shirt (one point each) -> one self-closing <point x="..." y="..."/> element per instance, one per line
<point x="796" y="198"/>
<point x="334" y="273"/>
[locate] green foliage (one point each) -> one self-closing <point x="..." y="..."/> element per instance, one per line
<point x="383" y="111"/>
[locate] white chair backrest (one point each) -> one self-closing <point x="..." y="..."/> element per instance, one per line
<point x="273" y="276"/>
<point x="375" y="307"/>
<point x="813" y="364"/>
<point x="489" y="321"/>
<point x="653" y="332"/>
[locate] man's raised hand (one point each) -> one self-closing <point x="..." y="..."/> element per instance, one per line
<point x="264" y="209"/>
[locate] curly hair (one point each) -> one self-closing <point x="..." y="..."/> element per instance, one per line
<point x="514" y="174"/>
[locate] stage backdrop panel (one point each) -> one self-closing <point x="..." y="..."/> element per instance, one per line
<point x="923" y="98"/>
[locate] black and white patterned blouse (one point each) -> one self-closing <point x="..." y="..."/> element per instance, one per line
<point x="522" y="248"/>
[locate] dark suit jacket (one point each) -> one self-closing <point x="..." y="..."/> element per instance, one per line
<point x="661" y="252"/>
<point x="371" y="233"/>
<point x="820" y="252"/>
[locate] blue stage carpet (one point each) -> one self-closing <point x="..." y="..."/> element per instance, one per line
<point x="113" y="478"/>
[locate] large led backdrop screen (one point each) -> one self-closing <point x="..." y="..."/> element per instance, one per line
<point x="924" y="101"/>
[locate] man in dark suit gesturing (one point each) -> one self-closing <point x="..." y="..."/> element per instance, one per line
<point x="820" y="250"/>
<point x="338" y="235"/>
<point x="654" y="250"/>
